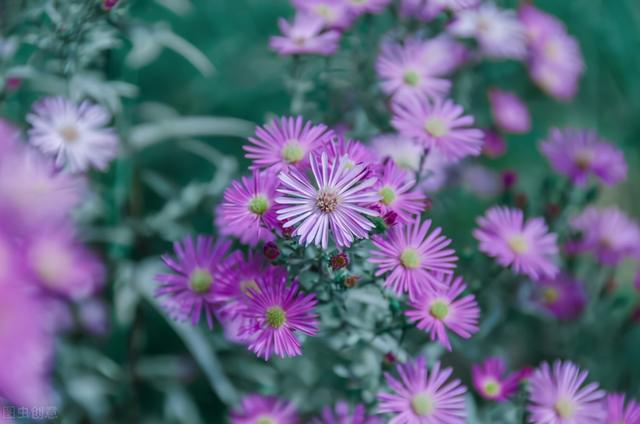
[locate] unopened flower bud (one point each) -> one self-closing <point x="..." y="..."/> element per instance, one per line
<point x="271" y="251"/>
<point x="509" y="179"/>
<point x="351" y="281"/>
<point x="109" y="4"/>
<point x="339" y="261"/>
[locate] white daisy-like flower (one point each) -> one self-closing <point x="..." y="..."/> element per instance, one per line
<point x="75" y="135"/>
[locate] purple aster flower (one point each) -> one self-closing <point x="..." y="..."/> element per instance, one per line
<point x="248" y="210"/>
<point x="404" y="151"/>
<point x="352" y="152"/>
<point x="563" y="297"/>
<point x="559" y="83"/>
<point x="76" y="135"/>
<point x="526" y="246"/>
<point x="411" y="255"/>
<point x="337" y="201"/>
<point x="257" y="409"/>
<point x="443" y="55"/>
<point x="367" y="6"/>
<point x="609" y="233"/>
<point x="306" y="35"/>
<point x="498" y="32"/>
<point x="440" y="125"/>
<point x="579" y="153"/>
<point x="494" y="144"/>
<point x="556" y="396"/>
<point x="509" y="112"/>
<point x="422" y="396"/>
<point x="437" y="309"/>
<point x="343" y="414"/>
<point x="492" y="382"/>
<point x="336" y="14"/>
<point x="426" y="10"/>
<point x="538" y="24"/>
<point x="396" y="189"/>
<point x="277" y="313"/>
<point x="404" y="73"/>
<point x="191" y="288"/>
<point x="60" y="265"/>
<point x="617" y="413"/>
<point x="286" y="142"/>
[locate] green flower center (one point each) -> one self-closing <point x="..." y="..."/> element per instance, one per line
<point x="276" y="316"/>
<point x="439" y="310"/>
<point x="258" y="204"/>
<point x="436" y="126"/>
<point x="327" y="201"/>
<point x="200" y="280"/>
<point x="564" y="408"/>
<point x="266" y="420"/>
<point x="324" y="11"/>
<point x="422" y="405"/>
<point x="69" y="133"/>
<point x="411" y="78"/>
<point x="292" y="152"/>
<point x="518" y="244"/>
<point x="492" y="387"/>
<point x="550" y="295"/>
<point x="246" y="285"/>
<point x="410" y="258"/>
<point x="388" y="195"/>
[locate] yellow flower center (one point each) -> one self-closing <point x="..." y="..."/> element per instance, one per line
<point x="276" y="317"/>
<point x="564" y="408"/>
<point x="292" y="152"/>
<point x="327" y="201"/>
<point x="388" y="195"/>
<point x="258" y="204"/>
<point x="439" y="309"/>
<point x="436" y="127"/>
<point x="69" y="133"/>
<point x="518" y="244"/>
<point x="325" y="12"/>
<point x="550" y="295"/>
<point x="492" y="387"/>
<point x="200" y="280"/>
<point x="410" y="258"/>
<point x="422" y="405"/>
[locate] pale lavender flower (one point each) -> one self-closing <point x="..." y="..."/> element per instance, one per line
<point x="618" y="413"/>
<point x="75" y="135"/>
<point x="563" y="297"/>
<point x="492" y="382"/>
<point x="305" y="35"/>
<point x="344" y="414"/>
<point x="426" y="10"/>
<point x="526" y="246"/>
<point x="422" y="396"/>
<point x="396" y="188"/>
<point x="258" y="409"/>
<point x="335" y="13"/>
<point x="557" y="396"/>
<point x="443" y="55"/>
<point x="580" y="153"/>
<point x="509" y="112"/>
<point x="367" y="6"/>
<point x="411" y="255"/>
<point x="439" y="125"/>
<point x="404" y="151"/>
<point x="538" y="24"/>
<point x="336" y="201"/>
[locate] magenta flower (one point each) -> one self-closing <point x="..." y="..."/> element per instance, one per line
<point x="351" y="152"/>
<point x="494" y="144"/>
<point x="491" y="381"/>
<point x="609" y="233"/>
<point x="617" y="413"/>
<point x="556" y="396"/>
<point x="367" y="6"/>
<point x="75" y="135"/>
<point x="438" y="309"/>
<point x="423" y="397"/>
<point x="285" y="143"/>
<point x="509" y="112"/>
<point x="405" y="74"/>
<point x="538" y="24"/>
<point x="580" y="153"/>
<point x="498" y="32"/>
<point x="396" y="189"/>
<point x="191" y="288"/>
<point x="276" y="313"/>
<point x="257" y="409"/>
<point x="343" y="414"/>
<point x="563" y="297"/>
<point x="440" y="125"/>
<point x="526" y="246"/>
<point x="248" y="210"/>
<point x="305" y="35"/>
<point x="411" y="255"/>
<point x="337" y="201"/>
<point x="336" y="14"/>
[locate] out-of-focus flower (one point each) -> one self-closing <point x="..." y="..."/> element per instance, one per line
<point x="367" y="6"/>
<point x="437" y="309"/>
<point x="618" y="413"/>
<point x="248" y="210"/>
<point x="305" y="35"/>
<point x="109" y="4"/>
<point x="556" y="396"/>
<point x="480" y="180"/>
<point x="538" y="24"/>
<point x="404" y="151"/>
<point x="440" y="125"/>
<point x="271" y="251"/>
<point x="335" y="13"/>
<point x="492" y="382"/>
<point x="609" y="233"/>
<point x="509" y="112"/>
<point x="426" y="10"/>
<point x="563" y="297"/>
<point x="9" y="136"/>
<point x="343" y="414"/>
<point x="405" y="74"/>
<point x="526" y="246"/>
<point x="494" y="144"/>
<point x="75" y="135"/>
<point x="335" y="202"/>
<point x="509" y="178"/>
<point x="442" y="55"/>
<point x="93" y="316"/>
<point x="579" y="153"/>
<point x="286" y="142"/>
<point x="411" y="255"/>
<point x="277" y="313"/>
<point x="257" y="409"/>
<point x="498" y="32"/>
<point x="349" y="152"/>
<point x="197" y="269"/>
<point x="396" y="189"/>
<point x="423" y="396"/>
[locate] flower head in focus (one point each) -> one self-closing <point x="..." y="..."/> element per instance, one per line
<point x="75" y="135"/>
<point x="258" y="409"/>
<point x="509" y="112"/>
<point x="305" y="35"/>
<point x="491" y="381"/>
<point x="527" y="246"/>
